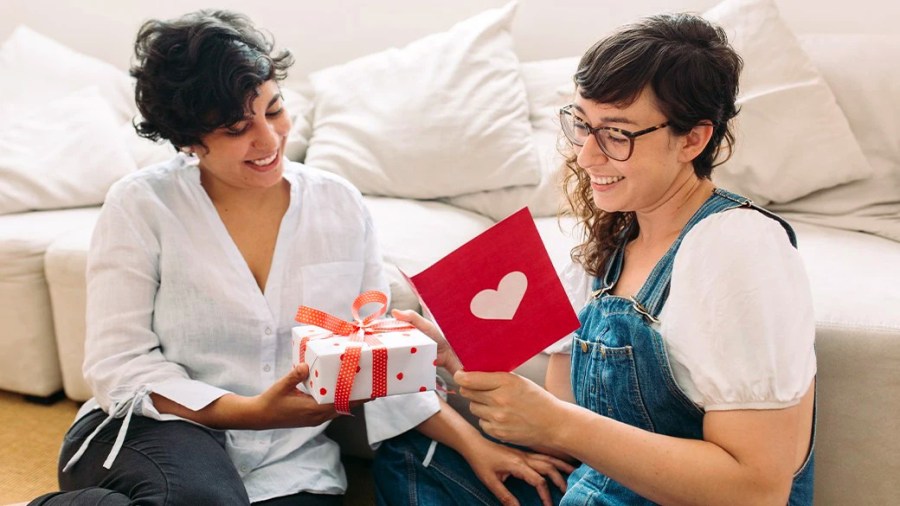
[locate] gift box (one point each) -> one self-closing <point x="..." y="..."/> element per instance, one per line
<point x="363" y="359"/>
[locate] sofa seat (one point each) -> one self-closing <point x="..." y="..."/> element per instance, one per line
<point x="28" y="350"/>
<point x="853" y="278"/>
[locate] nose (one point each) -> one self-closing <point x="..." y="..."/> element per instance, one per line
<point x="266" y="136"/>
<point x="590" y="154"/>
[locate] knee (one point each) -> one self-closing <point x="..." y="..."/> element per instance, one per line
<point x="203" y="491"/>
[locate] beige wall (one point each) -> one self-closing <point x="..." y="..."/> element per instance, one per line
<point x="323" y="32"/>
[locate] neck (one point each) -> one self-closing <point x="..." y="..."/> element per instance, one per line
<point x="665" y="221"/>
<point x="226" y="196"/>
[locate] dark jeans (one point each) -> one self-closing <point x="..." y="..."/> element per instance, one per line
<point x="160" y="463"/>
<point x="400" y="477"/>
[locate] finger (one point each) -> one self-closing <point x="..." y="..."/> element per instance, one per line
<point x="550" y="471"/>
<point x="480" y="410"/>
<point x="296" y="376"/>
<point x="560" y="464"/>
<point x="482" y="397"/>
<point x="476" y="380"/>
<point x="500" y="491"/>
<point x="533" y="478"/>
<point x="415" y="319"/>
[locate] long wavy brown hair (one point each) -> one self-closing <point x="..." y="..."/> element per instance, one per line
<point x="693" y="71"/>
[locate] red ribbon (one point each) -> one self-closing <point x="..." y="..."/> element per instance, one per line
<point x="362" y="333"/>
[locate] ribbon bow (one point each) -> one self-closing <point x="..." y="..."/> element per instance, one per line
<point x="361" y="331"/>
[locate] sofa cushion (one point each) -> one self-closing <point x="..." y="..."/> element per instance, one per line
<point x="28" y="353"/>
<point x="853" y="277"/>
<point x="862" y="71"/>
<point x="35" y="68"/>
<point x="548" y="85"/>
<point x="792" y="138"/>
<point x="63" y="153"/>
<point x="64" y="268"/>
<point x="414" y="234"/>
<point x="443" y="116"/>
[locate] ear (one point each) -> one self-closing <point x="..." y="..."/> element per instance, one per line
<point x="695" y="141"/>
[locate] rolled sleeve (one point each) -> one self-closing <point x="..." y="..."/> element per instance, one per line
<point x="387" y="417"/>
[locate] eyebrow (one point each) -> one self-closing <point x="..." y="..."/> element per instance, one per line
<point x="274" y="99"/>
<point x="607" y="119"/>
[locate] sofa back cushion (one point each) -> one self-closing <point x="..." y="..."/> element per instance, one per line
<point x="445" y="115"/>
<point x="64" y="153"/>
<point x="862" y="71"/>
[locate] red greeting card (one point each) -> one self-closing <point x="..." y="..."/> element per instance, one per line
<point x="497" y="298"/>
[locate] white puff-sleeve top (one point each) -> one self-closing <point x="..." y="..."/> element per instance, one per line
<point x="738" y="323"/>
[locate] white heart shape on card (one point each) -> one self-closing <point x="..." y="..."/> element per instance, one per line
<point x="502" y="303"/>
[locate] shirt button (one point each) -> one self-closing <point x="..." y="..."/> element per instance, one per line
<point x="244" y="469"/>
<point x="268" y="331"/>
<point x="584" y="347"/>
<point x="267" y="368"/>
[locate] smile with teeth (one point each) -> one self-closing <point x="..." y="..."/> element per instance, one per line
<point x="608" y="179"/>
<point x="262" y="162"/>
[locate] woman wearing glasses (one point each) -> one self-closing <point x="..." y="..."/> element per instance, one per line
<point x="691" y="378"/>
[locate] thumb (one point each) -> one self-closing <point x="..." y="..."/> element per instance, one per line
<point x="297" y="375"/>
<point x="404" y="315"/>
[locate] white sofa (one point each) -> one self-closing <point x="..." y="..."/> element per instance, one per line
<point x="826" y="157"/>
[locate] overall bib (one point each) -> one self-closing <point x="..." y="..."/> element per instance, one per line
<point x="620" y="368"/>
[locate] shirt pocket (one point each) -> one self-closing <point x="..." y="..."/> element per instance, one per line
<point x="332" y="286"/>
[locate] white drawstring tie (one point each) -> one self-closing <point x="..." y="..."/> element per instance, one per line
<point x="117" y="410"/>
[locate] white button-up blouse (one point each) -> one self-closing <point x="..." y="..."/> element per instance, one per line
<point x="173" y="308"/>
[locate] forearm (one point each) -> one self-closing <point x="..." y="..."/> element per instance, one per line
<point x="230" y="411"/>
<point x="664" y="469"/>
<point x="449" y="428"/>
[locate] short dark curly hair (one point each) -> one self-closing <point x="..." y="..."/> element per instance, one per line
<point x="200" y="72"/>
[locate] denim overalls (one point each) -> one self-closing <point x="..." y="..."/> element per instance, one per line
<point x="620" y="368"/>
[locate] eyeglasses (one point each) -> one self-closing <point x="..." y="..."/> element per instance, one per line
<point x="615" y="143"/>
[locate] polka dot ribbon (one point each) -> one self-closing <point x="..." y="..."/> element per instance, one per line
<point x="362" y="334"/>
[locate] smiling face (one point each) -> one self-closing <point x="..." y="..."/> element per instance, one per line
<point x="643" y="181"/>
<point x="248" y="154"/>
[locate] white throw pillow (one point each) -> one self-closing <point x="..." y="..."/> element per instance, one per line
<point x="65" y="153"/>
<point x="299" y="109"/>
<point x="862" y="71"/>
<point x="549" y="86"/>
<point x="443" y="116"/>
<point x="792" y="138"/>
<point x="35" y="69"/>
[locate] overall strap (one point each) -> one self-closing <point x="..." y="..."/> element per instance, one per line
<point x="603" y="284"/>
<point x="652" y="296"/>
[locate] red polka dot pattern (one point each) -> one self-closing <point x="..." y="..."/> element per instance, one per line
<point x="323" y="391"/>
<point x="346" y="375"/>
<point x="379" y="371"/>
<point x="362" y="334"/>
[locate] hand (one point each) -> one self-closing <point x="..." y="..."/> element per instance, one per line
<point x="282" y="405"/>
<point x="493" y="463"/>
<point x="446" y="357"/>
<point x="511" y="408"/>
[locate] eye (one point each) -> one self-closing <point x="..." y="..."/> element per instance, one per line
<point x="579" y="125"/>
<point x="275" y="113"/>
<point x="237" y="129"/>
<point x="614" y="137"/>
